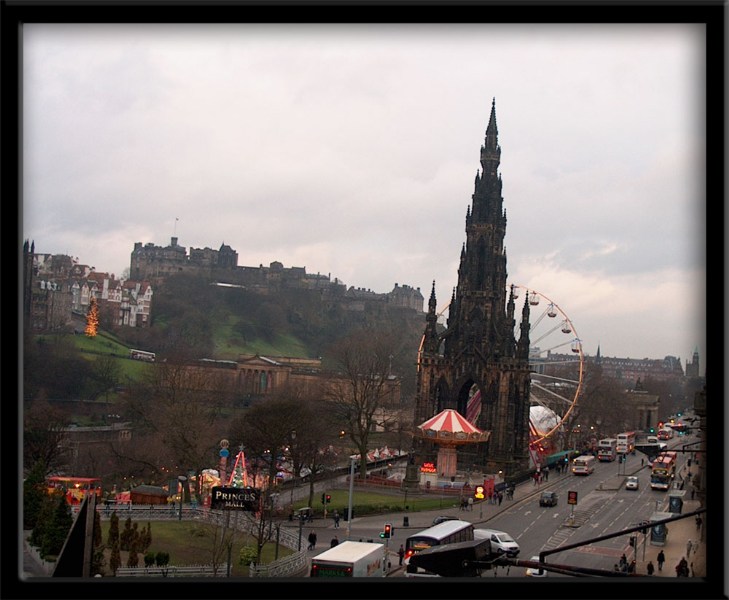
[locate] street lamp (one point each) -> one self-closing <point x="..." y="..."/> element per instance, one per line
<point x="181" y="479"/>
<point x="351" y="489"/>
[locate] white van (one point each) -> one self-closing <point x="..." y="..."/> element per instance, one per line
<point x="501" y="541"/>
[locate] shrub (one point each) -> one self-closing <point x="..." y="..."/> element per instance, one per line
<point x="115" y="558"/>
<point x="149" y="559"/>
<point x="247" y="555"/>
<point x="133" y="559"/>
<point x="162" y="558"/>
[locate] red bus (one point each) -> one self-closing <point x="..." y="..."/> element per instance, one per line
<point x="663" y="471"/>
<point x="74" y="488"/>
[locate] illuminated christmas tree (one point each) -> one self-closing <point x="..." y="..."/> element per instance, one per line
<point x="238" y="477"/>
<point x="92" y="318"/>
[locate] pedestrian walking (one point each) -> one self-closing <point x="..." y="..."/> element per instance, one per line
<point x="660" y="559"/>
<point x="689" y="545"/>
<point x="682" y="568"/>
<point x="631" y="567"/>
<point x="501" y="497"/>
<point x="312" y="540"/>
<point x="698" y="522"/>
<point x="401" y="554"/>
<point x="546" y="475"/>
<point x="469" y="503"/>
<point x="649" y="568"/>
<point x="334" y="542"/>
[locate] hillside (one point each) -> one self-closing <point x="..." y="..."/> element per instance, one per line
<point x="192" y="316"/>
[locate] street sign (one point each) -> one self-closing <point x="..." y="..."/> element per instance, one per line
<point x="571" y="497"/>
<point x="246" y="498"/>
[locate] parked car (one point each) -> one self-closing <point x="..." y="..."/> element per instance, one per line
<point x="548" y="499"/>
<point x="631" y="483"/>
<point x="501" y="541"/>
<point x="442" y="518"/>
<point x="532" y="572"/>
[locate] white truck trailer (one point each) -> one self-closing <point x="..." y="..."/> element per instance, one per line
<point x="350" y="559"/>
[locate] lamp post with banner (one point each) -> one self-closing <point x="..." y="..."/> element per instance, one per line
<point x="182" y="479"/>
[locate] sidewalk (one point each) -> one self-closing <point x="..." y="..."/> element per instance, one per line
<point x="679" y="533"/>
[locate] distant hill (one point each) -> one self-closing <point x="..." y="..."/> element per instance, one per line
<point x="207" y="321"/>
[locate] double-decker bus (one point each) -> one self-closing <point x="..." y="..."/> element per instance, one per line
<point x="583" y="465"/>
<point x="607" y="449"/>
<point x="74" y="488"/>
<point x="626" y="442"/>
<point x="663" y="470"/>
<point x="447" y="532"/>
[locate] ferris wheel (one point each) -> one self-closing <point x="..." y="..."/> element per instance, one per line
<point x="556" y="364"/>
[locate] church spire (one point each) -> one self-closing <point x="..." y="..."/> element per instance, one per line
<point x="523" y="345"/>
<point x="431" y="342"/>
<point x="491" y="151"/>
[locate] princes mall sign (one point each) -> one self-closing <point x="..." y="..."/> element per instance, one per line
<point x="246" y="498"/>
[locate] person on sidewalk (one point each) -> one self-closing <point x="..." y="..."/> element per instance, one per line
<point x="682" y="568"/>
<point x="336" y="519"/>
<point x="689" y="545"/>
<point x="698" y="522"/>
<point x="660" y="560"/>
<point x="649" y="568"/>
<point x="334" y="542"/>
<point x="401" y="554"/>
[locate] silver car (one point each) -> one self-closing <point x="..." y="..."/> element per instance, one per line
<point x="631" y="483"/>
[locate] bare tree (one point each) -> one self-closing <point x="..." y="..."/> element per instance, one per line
<point x="224" y="537"/>
<point x="176" y="421"/>
<point x="106" y="374"/>
<point x="602" y="404"/>
<point x="363" y="386"/>
<point x="264" y="431"/>
<point x="44" y="436"/>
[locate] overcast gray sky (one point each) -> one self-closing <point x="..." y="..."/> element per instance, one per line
<point x="351" y="150"/>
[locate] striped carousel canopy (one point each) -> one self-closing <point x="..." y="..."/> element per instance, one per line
<point x="450" y="425"/>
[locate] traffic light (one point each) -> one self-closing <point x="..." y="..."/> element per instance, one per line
<point x="632" y="541"/>
<point x="328" y="498"/>
<point x="323" y="499"/>
<point x="387" y="533"/>
<point x="478" y="493"/>
<point x="653" y="430"/>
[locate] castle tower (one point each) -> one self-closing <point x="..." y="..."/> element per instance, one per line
<point x="478" y="353"/>
<point x="692" y="368"/>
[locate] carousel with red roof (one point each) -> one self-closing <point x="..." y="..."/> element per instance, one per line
<point x="448" y="430"/>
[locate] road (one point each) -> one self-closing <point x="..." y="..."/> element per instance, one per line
<point x="603" y="507"/>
